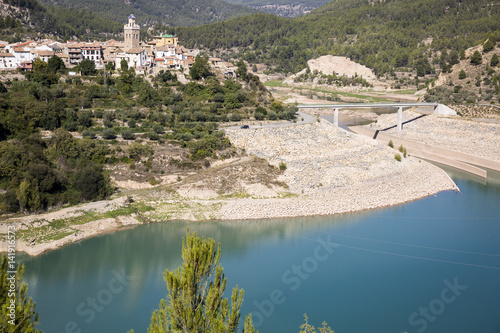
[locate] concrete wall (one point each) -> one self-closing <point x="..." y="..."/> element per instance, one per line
<point x="465" y="162"/>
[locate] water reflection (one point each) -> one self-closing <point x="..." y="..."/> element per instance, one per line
<point x="390" y="262"/>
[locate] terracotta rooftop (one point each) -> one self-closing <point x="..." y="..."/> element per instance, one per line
<point x="134" y="50"/>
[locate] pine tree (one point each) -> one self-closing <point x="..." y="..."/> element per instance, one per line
<point x="195" y="294"/>
<point x="488" y="46"/>
<point x="494" y="60"/>
<point x="476" y="58"/>
<point x="200" y="68"/>
<point x="21" y="317"/>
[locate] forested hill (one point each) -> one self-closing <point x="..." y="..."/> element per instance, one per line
<point x="381" y="35"/>
<point x="287" y="8"/>
<point x="170" y="12"/>
<point x="23" y="19"/>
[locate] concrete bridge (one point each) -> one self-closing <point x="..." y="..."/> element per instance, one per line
<point x="438" y="108"/>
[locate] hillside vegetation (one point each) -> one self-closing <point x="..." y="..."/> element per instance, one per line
<point x="23" y="19"/>
<point x="125" y="121"/>
<point x="385" y="36"/>
<point x="174" y="13"/>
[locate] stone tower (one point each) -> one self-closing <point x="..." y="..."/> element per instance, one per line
<point x="131" y="33"/>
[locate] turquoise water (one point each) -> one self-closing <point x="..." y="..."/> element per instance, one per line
<point x="432" y="265"/>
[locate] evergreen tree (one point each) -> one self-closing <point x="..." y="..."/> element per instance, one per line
<point x="195" y="293"/>
<point x="476" y="58"/>
<point x="55" y="64"/>
<point x="87" y="67"/>
<point x="488" y="46"/>
<point x="123" y="65"/>
<point x="200" y="68"/>
<point x="462" y="75"/>
<point x="39" y="65"/>
<point x="494" y="60"/>
<point x="21" y="316"/>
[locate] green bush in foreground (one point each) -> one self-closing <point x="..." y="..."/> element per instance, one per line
<point x="195" y="300"/>
<point x="21" y="317"/>
<point x="397" y="157"/>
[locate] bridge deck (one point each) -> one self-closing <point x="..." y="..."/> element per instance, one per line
<point x="365" y="105"/>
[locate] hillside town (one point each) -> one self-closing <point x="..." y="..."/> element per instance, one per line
<point x="163" y="52"/>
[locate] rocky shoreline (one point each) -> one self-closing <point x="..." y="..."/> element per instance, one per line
<point x="328" y="171"/>
<point x="332" y="171"/>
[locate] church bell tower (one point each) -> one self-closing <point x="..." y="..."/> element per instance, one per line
<point x="131" y="33"/>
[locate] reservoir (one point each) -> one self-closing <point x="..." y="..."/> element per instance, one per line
<point x="432" y="265"/>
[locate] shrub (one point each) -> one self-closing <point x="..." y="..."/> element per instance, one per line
<point x="128" y="134"/>
<point x="391" y="144"/>
<point x="98" y="113"/>
<point x="401" y="148"/>
<point x="89" y="134"/>
<point x="397" y="157"/>
<point x="282" y="166"/>
<point x="136" y="151"/>
<point x="153" y="136"/>
<point x="153" y="181"/>
<point x="462" y="75"/>
<point x="108" y="134"/>
<point x="235" y="117"/>
<point x="259" y="116"/>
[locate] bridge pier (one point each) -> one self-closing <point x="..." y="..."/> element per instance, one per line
<point x="400" y="118"/>
<point x="336" y="117"/>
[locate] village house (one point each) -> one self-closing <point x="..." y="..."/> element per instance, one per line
<point x="7" y="61"/>
<point x="74" y="53"/>
<point x="92" y="52"/>
<point x="163" y="52"/>
<point x="43" y="54"/>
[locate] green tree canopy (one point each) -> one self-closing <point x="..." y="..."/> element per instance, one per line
<point x="87" y="67"/>
<point x="39" y="65"/>
<point x="488" y="46"/>
<point x="22" y="313"/>
<point x="494" y="60"/>
<point x="476" y="58"/>
<point x="462" y="75"/>
<point x="195" y="293"/>
<point x="123" y="65"/>
<point x="55" y="64"/>
<point x="200" y="68"/>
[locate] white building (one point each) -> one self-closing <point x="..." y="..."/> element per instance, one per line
<point x="8" y="61"/>
<point x="170" y="56"/>
<point x="92" y="52"/>
<point x="136" y="57"/>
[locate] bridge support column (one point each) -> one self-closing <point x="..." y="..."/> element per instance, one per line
<point x="336" y="117"/>
<point x="400" y="118"/>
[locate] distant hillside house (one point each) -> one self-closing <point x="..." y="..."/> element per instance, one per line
<point x="43" y="54"/>
<point x="135" y="57"/>
<point x="92" y="52"/>
<point x="22" y="54"/>
<point x="174" y="57"/>
<point x="74" y="53"/>
<point x="163" y="40"/>
<point x="65" y="58"/>
<point x="8" y="61"/>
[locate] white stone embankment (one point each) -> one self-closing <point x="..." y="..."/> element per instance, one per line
<point x="332" y="171"/>
<point x="449" y="132"/>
